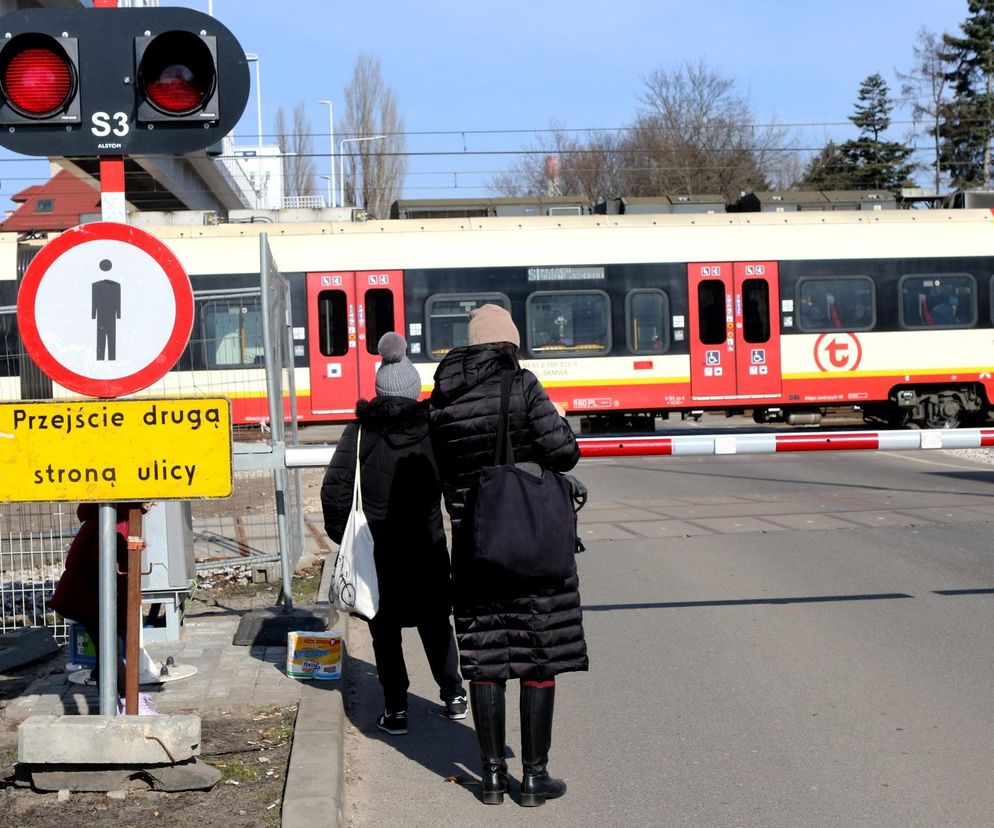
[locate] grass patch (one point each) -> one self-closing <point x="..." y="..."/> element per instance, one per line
<point x="305" y="587"/>
<point x="237" y="771"/>
<point x="278" y="734"/>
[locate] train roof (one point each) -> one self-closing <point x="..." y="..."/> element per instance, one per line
<point x="587" y="239"/>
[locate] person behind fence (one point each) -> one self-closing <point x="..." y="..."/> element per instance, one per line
<point x="401" y="498"/>
<point x="506" y="628"/>
<point x="77" y="594"/>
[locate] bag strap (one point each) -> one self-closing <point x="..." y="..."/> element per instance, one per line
<point x="357" y="484"/>
<point x="504" y="450"/>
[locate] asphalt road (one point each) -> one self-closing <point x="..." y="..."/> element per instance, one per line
<point x="791" y="640"/>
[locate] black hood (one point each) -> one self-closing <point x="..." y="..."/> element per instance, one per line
<point x="464" y="368"/>
<point x="400" y="420"/>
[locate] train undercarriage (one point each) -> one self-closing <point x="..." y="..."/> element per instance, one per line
<point x="922" y="406"/>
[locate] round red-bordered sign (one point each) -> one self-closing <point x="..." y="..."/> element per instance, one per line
<point x="105" y="309"/>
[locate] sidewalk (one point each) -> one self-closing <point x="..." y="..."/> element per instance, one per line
<point x="228" y="675"/>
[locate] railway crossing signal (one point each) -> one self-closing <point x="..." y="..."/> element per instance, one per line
<point x="86" y="82"/>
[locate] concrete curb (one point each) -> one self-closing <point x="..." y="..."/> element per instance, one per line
<point x="315" y="777"/>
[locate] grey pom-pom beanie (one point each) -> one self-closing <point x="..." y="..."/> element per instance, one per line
<point x="397" y="376"/>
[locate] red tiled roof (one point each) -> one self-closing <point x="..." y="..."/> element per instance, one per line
<point x="69" y="197"/>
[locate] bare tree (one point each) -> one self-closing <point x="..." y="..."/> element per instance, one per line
<point x="584" y="167"/>
<point x="376" y="166"/>
<point x="926" y="85"/>
<point x="693" y="136"/>
<point x="297" y="151"/>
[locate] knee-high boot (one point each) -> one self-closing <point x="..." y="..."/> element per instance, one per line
<point x="487" y="702"/>
<point x="537" y="704"/>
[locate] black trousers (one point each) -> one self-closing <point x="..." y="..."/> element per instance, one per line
<point x="440" y="649"/>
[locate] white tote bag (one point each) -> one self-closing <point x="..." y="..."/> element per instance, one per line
<point x="354" y="586"/>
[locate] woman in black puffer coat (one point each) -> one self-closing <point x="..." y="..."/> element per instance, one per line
<point x="401" y="500"/>
<point x="505" y="629"/>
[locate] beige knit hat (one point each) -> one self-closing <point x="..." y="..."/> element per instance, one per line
<point x="491" y="323"/>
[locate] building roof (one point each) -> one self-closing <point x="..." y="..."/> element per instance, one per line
<point x="55" y="205"/>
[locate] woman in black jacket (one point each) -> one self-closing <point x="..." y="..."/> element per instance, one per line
<point x="401" y="500"/>
<point x="506" y="629"/>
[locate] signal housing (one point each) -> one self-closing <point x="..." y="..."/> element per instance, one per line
<point x="131" y="81"/>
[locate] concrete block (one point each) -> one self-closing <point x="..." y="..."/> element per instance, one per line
<point x="108" y="740"/>
<point x="269" y="627"/>
<point x="192" y="775"/>
<point x="22" y="646"/>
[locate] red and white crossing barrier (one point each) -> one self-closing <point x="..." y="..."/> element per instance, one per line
<point x="718" y="444"/>
<point x="711" y="444"/>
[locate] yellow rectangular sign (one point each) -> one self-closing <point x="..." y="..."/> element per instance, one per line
<point x="115" y="450"/>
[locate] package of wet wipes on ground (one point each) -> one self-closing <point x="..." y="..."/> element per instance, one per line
<point x="314" y="655"/>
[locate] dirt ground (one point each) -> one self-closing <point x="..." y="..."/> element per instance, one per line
<point x="251" y="749"/>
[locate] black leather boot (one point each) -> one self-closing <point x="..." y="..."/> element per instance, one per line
<point x="487" y="702"/>
<point x="537" y="704"/>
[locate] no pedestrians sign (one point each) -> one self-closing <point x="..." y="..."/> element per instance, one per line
<point x="105" y="309"/>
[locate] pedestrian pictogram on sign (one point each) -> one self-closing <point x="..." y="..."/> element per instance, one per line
<point x="105" y="309"/>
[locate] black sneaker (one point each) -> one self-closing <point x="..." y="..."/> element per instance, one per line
<point x="455" y="708"/>
<point x="393" y="723"/>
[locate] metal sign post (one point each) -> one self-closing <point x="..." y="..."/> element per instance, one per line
<point x="111" y="209"/>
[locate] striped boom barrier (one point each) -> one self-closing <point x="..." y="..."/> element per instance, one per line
<point x="717" y="444"/>
<point x="701" y="445"/>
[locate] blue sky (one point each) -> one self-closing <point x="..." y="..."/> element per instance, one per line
<point x="485" y="77"/>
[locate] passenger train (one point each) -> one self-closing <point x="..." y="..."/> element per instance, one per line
<point x="624" y="318"/>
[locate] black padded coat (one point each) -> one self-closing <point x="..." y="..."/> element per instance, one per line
<point x="402" y="500"/>
<point x="511" y="629"/>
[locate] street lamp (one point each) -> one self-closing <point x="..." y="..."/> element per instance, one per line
<point x="331" y="158"/>
<point x="341" y="160"/>
<point x="254" y="58"/>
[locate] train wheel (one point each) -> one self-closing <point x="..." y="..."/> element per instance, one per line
<point x="944" y="412"/>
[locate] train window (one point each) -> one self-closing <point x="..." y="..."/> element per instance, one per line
<point x="647" y="313"/>
<point x="938" y="301"/>
<point x="568" y="323"/>
<point x="333" y="323"/>
<point x="830" y="303"/>
<point x="448" y="317"/>
<point x="379" y="316"/>
<point x="232" y="332"/>
<point x="756" y="310"/>
<point x="711" y="311"/>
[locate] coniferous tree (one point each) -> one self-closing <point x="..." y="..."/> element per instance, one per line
<point x="966" y="125"/>
<point x="868" y="162"/>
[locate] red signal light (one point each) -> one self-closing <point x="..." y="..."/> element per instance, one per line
<point x="38" y="81"/>
<point x="177" y="90"/>
<point x="177" y="74"/>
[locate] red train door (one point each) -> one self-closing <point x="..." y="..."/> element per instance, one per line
<point x="711" y="329"/>
<point x="757" y="329"/>
<point x="347" y="313"/>
<point x="734" y="329"/>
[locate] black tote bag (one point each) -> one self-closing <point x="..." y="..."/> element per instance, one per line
<point x="524" y="523"/>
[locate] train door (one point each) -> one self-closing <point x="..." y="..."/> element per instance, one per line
<point x="347" y="313"/>
<point x="734" y="329"/>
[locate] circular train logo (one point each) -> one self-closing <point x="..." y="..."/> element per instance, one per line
<point x="836" y="352"/>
